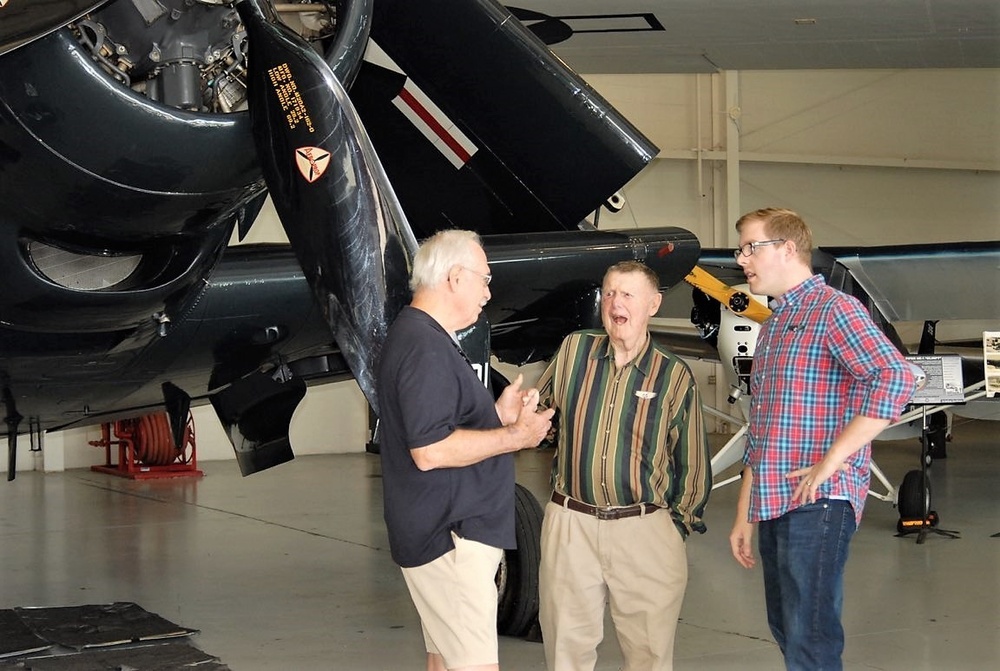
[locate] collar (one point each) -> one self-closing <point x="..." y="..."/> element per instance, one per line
<point x="796" y="293"/>
<point x="642" y="360"/>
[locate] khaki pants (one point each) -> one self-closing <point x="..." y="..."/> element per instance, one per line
<point x="637" y="565"/>
<point x="456" y="598"/>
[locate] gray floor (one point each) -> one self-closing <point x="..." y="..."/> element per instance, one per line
<point x="289" y="569"/>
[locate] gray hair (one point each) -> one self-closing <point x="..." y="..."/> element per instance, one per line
<point x="625" y="267"/>
<point x="439" y="253"/>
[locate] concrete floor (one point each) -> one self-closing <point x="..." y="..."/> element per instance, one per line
<point x="289" y="569"/>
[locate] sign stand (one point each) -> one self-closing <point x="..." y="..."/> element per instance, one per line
<point x="942" y="385"/>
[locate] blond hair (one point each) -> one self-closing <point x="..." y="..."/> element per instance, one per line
<point x="782" y="224"/>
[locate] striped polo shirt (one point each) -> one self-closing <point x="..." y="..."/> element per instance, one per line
<point x="629" y="435"/>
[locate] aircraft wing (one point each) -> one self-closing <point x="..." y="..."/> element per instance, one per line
<point x="480" y="126"/>
<point x="923" y="282"/>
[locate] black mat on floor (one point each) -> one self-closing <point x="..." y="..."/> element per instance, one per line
<point x="16" y="638"/>
<point x="80" y="627"/>
<point x="102" y="637"/>
<point x="158" y="656"/>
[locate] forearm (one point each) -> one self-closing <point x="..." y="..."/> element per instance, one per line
<point x="691" y="462"/>
<point x="859" y="432"/>
<point x="743" y="502"/>
<point x="465" y="447"/>
<point x="740" y="538"/>
<point x="692" y="486"/>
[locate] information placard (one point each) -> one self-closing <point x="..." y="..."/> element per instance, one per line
<point x="991" y="362"/>
<point x="944" y="379"/>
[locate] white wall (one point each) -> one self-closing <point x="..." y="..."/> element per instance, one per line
<point x="867" y="157"/>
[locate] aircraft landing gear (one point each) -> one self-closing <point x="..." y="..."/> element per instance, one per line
<point x="914" y="501"/>
<point x="517" y="577"/>
<point x="937" y="436"/>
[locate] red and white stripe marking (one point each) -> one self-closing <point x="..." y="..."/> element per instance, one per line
<point x="416" y="106"/>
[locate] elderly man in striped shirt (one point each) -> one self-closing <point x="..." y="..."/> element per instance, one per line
<point x="631" y="478"/>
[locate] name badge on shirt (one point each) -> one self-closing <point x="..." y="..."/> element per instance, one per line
<point x="646" y="395"/>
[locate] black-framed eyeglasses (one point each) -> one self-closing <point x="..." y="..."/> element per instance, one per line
<point x="487" y="278"/>
<point x="751" y="247"/>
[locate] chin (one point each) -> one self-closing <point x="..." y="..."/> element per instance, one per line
<point x="619" y="332"/>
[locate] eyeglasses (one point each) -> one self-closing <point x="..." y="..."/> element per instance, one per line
<point x="487" y="278"/>
<point x="751" y="247"/>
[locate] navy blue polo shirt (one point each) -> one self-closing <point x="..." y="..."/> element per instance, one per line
<point x="427" y="389"/>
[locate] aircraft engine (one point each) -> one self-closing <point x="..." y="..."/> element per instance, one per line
<point x="737" y="340"/>
<point x="185" y="55"/>
<point x="123" y="172"/>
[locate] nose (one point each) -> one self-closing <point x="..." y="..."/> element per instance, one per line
<point x="742" y="261"/>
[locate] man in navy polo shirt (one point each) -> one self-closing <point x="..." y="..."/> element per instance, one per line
<point x="446" y="449"/>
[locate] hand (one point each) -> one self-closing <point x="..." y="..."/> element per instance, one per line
<point x="529" y="399"/>
<point x="812" y="478"/>
<point x="511" y="400"/>
<point x="532" y="427"/>
<point x="740" y="543"/>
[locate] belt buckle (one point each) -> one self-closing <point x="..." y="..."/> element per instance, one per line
<point x="605" y="514"/>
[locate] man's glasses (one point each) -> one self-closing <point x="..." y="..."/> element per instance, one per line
<point x="487" y="278"/>
<point x="751" y="247"/>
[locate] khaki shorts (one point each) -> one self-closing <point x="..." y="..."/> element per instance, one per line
<point x="456" y="598"/>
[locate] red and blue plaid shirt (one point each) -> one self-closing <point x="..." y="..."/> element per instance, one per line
<point x="819" y="362"/>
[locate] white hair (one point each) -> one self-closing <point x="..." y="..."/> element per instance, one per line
<point x="439" y="253"/>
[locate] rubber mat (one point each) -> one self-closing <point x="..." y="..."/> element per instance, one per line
<point x="16" y="638"/>
<point x="97" y="637"/>
<point x="80" y="627"/>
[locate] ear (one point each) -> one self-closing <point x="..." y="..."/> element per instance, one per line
<point x="453" y="274"/>
<point x="655" y="305"/>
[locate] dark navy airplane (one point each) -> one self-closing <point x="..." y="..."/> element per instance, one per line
<point x="137" y="135"/>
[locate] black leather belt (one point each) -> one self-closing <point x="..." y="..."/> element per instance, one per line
<point x="607" y="513"/>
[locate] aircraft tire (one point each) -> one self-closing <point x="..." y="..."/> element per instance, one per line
<point x="517" y="577"/>
<point x="912" y="495"/>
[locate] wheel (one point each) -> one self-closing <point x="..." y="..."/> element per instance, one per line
<point x="913" y="494"/>
<point x="517" y="577"/>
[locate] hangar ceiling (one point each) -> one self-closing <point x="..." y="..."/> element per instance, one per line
<point x="691" y="36"/>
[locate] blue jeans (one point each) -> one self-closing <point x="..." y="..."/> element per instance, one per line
<point x="803" y="553"/>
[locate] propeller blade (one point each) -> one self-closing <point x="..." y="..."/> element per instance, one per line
<point x="329" y="189"/>
<point x="23" y="21"/>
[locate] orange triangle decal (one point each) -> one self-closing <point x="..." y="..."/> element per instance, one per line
<point x="312" y="162"/>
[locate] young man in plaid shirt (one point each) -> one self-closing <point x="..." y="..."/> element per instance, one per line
<point x="825" y="382"/>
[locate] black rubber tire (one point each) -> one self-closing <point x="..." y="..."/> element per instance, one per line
<point x="517" y="577"/>
<point x="912" y="494"/>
